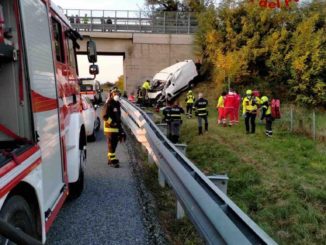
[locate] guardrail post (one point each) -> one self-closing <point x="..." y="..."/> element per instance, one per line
<point x="163" y="127"/>
<point x="291" y="118"/>
<point x="182" y="148"/>
<point x="221" y="181"/>
<point x="180" y="211"/>
<point x="161" y="178"/>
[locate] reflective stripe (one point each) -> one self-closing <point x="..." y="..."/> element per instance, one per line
<point x="201" y="109"/>
<point x="111" y="130"/>
<point x="202" y="114"/>
<point x="108" y="129"/>
<point x="111" y="156"/>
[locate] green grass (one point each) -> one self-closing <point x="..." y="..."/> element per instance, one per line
<point x="279" y="182"/>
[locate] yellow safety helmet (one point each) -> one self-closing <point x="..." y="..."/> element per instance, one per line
<point x="249" y="92"/>
<point x="189" y="92"/>
<point x="264" y="99"/>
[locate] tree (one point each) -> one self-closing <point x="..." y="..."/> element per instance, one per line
<point x="281" y="52"/>
<point x="120" y="83"/>
<point x="179" y="5"/>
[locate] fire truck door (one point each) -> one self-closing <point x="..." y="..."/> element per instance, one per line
<point x="41" y="73"/>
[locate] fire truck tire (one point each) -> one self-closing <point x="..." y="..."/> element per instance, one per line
<point x="77" y="188"/>
<point x="17" y="212"/>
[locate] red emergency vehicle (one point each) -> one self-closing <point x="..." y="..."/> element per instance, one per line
<point x="42" y="133"/>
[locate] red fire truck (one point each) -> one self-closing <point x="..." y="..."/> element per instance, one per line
<point x="42" y="134"/>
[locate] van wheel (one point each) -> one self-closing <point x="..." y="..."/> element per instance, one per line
<point x="17" y="212"/>
<point x="92" y="137"/>
<point x="191" y="84"/>
<point x="97" y="124"/>
<point x="77" y="188"/>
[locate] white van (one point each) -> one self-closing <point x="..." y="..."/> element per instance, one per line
<point x="172" y="80"/>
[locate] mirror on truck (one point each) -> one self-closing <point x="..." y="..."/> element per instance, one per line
<point x="93" y="69"/>
<point x="91" y="51"/>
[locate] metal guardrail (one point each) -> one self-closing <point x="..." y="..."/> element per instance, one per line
<point x="218" y="219"/>
<point x="132" y="21"/>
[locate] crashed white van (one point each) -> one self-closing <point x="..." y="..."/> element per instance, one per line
<point x="172" y="80"/>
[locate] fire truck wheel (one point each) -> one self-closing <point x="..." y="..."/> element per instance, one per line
<point x="17" y="212"/>
<point x="77" y="188"/>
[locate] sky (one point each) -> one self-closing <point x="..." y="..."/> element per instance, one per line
<point x="111" y="67"/>
<point x="101" y="4"/>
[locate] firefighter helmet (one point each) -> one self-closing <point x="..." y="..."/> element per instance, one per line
<point x="249" y="92"/>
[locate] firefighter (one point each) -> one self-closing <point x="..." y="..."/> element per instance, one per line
<point x="249" y="105"/>
<point x="201" y="113"/>
<point x="167" y="118"/>
<point x="139" y="95"/>
<point x="267" y="115"/>
<point x="190" y="99"/>
<point x="220" y="109"/>
<point x="145" y="88"/>
<point x="112" y="126"/>
<point x="175" y="121"/>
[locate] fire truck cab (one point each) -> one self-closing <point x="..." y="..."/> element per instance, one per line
<point x="42" y="133"/>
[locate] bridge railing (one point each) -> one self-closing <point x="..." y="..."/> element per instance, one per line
<point x="132" y="21"/>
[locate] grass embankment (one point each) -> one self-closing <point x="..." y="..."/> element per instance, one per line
<point x="178" y="232"/>
<point x="279" y="182"/>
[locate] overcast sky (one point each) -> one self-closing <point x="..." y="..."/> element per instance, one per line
<point x="101" y="4"/>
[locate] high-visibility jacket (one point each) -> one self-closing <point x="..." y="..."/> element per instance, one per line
<point x="86" y="20"/>
<point x="175" y="113"/>
<point x="249" y="104"/>
<point x="112" y="117"/>
<point x="190" y="99"/>
<point x="220" y="102"/>
<point x="201" y="107"/>
<point x="146" y="85"/>
<point x="266" y="110"/>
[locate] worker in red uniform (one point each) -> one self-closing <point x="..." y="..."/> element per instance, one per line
<point x="229" y="107"/>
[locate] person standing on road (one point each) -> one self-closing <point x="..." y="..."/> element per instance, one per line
<point x="201" y="113"/>
<point x="176" y="121"/>
<point x="112" y="126"/>
<point x="267" y="115"/>
<point x="249" y="105"/>
<point x="220" y="109"/>
<point x="190" y="99"/>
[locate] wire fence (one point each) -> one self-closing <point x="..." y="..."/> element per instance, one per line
<point x="132" y="21"/>
<point x="311" y="123"/>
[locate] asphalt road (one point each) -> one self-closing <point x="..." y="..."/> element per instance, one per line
<point x="107" y="212"/>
